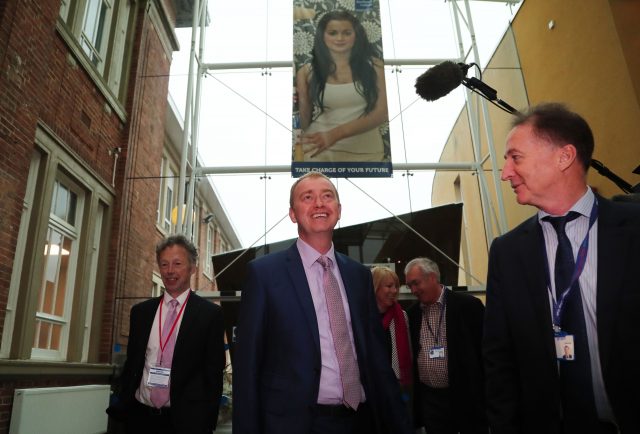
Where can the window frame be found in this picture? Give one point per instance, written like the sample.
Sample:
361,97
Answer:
71,232
51,160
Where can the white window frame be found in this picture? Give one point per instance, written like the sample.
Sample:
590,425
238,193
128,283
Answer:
208,266
96,31
52,162
14,285
157,287
72,232
95,254
170,198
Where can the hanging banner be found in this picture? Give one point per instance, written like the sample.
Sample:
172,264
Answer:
340,115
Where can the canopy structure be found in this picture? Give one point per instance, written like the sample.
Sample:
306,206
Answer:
492,204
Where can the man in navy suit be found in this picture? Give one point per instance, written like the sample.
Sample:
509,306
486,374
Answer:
287,372
194,376
566,276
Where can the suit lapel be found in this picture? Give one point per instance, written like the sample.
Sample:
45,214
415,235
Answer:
352,287
188,317
146,320
531,256
295,268
612,246
359,306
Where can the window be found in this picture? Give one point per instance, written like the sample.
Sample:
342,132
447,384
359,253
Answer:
93,37
59,264
97,31
157,287
60,260
168,196
209,252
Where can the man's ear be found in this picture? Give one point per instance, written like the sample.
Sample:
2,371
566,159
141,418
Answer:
292,215
567,156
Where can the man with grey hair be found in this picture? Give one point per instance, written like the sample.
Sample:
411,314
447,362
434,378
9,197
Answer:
171,381
446,334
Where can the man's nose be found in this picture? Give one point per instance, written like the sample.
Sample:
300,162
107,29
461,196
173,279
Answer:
507,172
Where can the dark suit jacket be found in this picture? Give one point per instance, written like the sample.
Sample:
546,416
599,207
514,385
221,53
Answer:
277,362
520,361
463,320
198,362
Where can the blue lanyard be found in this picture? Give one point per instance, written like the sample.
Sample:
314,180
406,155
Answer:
558,305
437,336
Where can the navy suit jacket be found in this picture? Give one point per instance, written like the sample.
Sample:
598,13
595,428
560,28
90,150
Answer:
197,366
277,362
463,320
520,362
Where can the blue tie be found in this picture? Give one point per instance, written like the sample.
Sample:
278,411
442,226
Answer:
575,376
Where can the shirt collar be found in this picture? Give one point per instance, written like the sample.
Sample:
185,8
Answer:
181,298
440,299
583,206
309,255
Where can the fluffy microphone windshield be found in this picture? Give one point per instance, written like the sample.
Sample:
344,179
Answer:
439,80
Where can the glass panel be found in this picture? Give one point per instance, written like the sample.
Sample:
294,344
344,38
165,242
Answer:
60,198
64,203
42,336
48,335
51,260
93,29
71,210
62,277
56,336
167,211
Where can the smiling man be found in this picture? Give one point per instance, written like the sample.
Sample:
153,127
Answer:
309,355
171,381
565,278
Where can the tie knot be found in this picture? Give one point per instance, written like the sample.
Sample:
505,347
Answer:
560,222
325,262
173,304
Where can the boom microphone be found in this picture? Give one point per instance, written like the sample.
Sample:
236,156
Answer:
441,79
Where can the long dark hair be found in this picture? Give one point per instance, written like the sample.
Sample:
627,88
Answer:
361,62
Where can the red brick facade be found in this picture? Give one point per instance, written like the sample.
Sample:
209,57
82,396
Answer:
43,85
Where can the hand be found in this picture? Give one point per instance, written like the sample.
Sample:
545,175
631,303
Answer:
317,142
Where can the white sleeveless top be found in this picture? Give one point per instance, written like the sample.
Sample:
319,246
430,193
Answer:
342,104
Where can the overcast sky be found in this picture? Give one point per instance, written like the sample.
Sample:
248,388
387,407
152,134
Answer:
245,115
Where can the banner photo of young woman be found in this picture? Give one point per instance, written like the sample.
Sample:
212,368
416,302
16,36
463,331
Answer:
340,115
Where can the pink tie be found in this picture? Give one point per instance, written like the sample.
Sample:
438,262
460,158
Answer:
349,372
160,395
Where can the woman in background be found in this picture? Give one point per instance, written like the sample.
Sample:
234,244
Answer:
396,325
341,94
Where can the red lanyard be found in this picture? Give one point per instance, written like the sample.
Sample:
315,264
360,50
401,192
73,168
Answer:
175,322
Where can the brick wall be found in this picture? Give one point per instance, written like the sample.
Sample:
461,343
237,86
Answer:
42,83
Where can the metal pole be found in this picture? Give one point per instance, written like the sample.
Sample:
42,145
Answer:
502,220
187,119
475,138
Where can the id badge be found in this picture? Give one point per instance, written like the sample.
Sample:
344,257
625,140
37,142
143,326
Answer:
436,353
564,346
158,377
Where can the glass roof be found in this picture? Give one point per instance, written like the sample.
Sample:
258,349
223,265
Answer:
245,114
